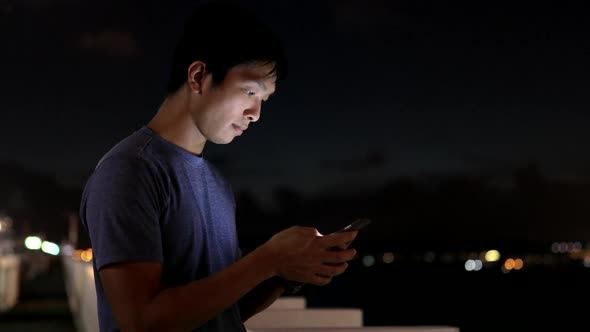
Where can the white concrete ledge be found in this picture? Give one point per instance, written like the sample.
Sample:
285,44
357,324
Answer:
306,318
9,281
362,329
79,278
288,302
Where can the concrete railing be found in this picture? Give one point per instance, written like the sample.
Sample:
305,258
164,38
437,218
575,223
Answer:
79,284
9,281
362,329
289,312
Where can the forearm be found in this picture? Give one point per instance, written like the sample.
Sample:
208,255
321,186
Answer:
187,307
261,297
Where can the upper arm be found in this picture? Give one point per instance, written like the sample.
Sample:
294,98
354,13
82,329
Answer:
129,288
121,209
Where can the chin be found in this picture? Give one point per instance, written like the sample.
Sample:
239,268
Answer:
220,140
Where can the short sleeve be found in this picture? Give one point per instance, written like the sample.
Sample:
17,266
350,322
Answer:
120,209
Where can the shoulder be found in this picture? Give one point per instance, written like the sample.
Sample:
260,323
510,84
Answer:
129,168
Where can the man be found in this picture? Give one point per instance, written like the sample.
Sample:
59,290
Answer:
161,218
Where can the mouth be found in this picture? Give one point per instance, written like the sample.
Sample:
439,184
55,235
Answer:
239,129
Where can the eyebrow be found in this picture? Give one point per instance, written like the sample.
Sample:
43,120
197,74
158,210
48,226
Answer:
261,84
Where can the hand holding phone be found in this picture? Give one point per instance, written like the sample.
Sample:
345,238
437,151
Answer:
292,287
357,225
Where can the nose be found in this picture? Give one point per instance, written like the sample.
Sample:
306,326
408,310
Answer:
253,112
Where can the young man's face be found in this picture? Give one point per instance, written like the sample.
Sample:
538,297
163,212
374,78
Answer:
228,108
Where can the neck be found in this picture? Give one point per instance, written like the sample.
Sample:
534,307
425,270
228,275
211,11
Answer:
174,123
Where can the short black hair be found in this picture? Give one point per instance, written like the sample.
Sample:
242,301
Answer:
223,35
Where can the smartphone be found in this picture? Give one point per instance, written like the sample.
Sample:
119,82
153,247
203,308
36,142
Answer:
356,225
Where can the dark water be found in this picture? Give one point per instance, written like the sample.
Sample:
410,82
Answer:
534,298
486,300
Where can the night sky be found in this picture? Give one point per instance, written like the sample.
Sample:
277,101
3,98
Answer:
376,89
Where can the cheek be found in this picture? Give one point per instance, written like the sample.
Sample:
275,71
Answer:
225,115
234,109
228,109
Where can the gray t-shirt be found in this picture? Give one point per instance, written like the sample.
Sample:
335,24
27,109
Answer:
149,200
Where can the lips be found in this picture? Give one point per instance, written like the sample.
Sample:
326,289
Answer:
239,129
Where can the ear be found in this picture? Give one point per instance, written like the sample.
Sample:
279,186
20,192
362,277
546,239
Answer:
196,76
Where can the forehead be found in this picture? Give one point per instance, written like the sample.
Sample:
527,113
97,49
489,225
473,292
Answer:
255,73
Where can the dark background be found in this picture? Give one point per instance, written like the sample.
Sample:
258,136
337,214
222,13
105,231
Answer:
456,126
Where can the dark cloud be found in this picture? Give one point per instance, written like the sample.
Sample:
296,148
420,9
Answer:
120,44
6,8
371,160
368,14
35,5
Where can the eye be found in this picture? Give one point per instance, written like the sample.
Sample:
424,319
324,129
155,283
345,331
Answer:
249,92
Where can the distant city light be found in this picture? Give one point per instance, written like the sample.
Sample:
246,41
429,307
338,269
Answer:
513,264
388,257
5,223
67,249
50,248
473,265
509,264
566,247
492,255
429,257
469,265
368,260
518,263
577,246
33,242
478,264
86,255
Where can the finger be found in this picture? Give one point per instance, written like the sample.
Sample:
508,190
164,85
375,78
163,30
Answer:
338,239
337,257
309,231
342,246
320,280
332,270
